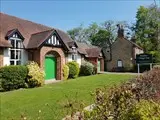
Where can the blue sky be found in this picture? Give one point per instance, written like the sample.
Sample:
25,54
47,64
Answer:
66,15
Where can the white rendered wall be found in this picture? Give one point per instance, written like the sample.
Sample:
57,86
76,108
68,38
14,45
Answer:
6,59
69,58
24,57
79,59
138,51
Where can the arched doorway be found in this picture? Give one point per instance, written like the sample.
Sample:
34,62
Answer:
51,63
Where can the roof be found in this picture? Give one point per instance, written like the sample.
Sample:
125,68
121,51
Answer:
27,28
133,43
93,52
34,35
88,50
38,38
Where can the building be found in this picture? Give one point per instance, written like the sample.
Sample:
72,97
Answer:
22,41
122,53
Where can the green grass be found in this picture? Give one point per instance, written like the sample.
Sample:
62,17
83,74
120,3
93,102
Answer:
50,99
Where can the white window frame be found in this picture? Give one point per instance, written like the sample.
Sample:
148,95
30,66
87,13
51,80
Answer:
119,63
17,50
53,40
74,57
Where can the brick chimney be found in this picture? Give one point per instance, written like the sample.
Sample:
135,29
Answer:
133,39
120,31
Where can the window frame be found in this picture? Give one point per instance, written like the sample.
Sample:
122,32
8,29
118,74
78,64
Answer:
16,48
119,63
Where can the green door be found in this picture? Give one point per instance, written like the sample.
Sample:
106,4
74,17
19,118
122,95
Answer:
99,66
50,67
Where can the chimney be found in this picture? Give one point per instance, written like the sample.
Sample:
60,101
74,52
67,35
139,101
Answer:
120,31
133,39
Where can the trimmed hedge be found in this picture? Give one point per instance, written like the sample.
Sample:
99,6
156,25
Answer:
87,68
65,72
35,75
73,69
13,77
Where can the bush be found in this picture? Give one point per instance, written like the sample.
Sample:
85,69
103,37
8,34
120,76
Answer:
149,84
112,104
86,68
144,110
73,69
35,75
13,77
65,72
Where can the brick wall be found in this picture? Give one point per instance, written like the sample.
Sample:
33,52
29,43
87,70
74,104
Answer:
123,50
60,57
1,57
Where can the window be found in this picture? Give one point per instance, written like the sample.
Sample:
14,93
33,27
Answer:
74,57
15,51
119,63
53,40
74,49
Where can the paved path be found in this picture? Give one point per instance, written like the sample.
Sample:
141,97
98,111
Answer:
121,73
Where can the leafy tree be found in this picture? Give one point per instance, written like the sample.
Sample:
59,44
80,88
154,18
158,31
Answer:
147,29
101,39
78,33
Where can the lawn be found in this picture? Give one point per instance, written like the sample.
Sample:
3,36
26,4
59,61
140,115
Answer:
48,101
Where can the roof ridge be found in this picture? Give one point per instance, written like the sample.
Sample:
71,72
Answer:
27,20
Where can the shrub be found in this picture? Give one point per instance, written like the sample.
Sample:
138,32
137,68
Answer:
13,77
65,72
35,75
149,84
86,68
73,69
144,110
112,104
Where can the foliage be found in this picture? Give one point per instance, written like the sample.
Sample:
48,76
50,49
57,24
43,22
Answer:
101,39
73,69
126,102
144,110
35,75
13,77
146,29
65,72
112,104
86,68
149,84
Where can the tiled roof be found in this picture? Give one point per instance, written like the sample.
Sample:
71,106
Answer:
38,38
88,50
34,35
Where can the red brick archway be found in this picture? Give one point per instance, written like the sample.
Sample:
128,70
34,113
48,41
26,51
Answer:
60,58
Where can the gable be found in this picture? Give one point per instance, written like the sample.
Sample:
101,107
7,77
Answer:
14,34
53,40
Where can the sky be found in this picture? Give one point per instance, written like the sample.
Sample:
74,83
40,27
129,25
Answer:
68,14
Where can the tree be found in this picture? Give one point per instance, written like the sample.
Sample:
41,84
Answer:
78,33
101,39
146,28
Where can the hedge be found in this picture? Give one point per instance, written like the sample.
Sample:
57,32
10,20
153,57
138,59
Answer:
13,77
